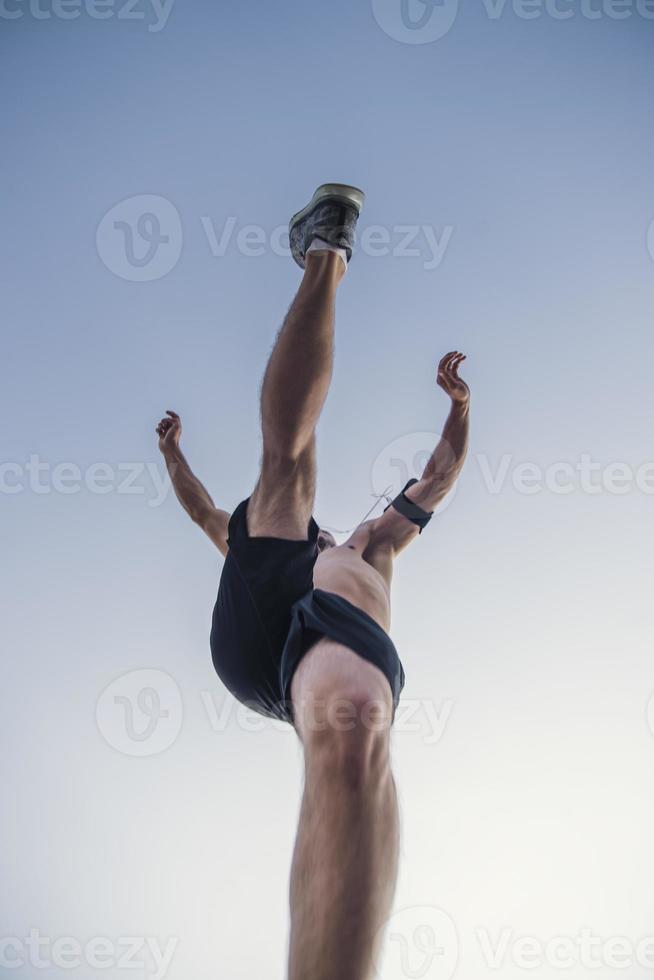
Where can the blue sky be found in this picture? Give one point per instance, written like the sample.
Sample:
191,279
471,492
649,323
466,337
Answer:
523,148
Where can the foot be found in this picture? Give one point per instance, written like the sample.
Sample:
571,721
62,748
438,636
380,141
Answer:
330,215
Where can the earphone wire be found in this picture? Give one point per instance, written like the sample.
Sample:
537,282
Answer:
379,496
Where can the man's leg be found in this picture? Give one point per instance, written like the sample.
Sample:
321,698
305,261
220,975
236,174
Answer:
346,854
294,390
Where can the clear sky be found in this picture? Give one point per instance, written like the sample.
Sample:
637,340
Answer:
509,149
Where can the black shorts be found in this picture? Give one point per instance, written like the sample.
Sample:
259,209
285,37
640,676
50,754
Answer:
268,614
320,613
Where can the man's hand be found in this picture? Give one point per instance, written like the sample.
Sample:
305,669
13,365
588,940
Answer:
169,431
193,497
449,380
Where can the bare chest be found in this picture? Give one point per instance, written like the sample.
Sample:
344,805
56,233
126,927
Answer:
361,575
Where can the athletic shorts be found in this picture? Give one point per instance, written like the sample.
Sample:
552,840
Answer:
268,615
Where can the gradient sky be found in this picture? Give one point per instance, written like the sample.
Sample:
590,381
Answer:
524,620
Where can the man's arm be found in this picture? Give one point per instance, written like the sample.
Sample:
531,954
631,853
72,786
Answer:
193,497
446,462
392,529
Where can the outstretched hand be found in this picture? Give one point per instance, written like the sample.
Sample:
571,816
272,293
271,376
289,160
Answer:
169,431
449,380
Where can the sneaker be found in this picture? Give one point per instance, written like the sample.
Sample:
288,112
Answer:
331,215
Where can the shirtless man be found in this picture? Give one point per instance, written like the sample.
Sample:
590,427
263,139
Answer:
300,626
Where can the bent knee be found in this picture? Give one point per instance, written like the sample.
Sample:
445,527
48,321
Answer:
364,709
289,455
353,753
345,726
289,466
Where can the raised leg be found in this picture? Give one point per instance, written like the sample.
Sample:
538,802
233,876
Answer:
346,854
294,390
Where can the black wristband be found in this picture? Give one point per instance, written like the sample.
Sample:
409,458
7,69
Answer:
409,509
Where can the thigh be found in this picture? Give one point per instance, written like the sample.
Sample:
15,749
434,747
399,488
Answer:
282,502
332,679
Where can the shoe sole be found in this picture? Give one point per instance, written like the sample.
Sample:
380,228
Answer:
343,193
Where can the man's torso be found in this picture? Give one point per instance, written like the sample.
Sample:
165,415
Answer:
360,570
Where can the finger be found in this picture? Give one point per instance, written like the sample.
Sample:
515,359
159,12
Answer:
450,362
444,359
172,414
454,367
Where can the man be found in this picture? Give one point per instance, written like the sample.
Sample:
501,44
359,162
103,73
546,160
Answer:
300,626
